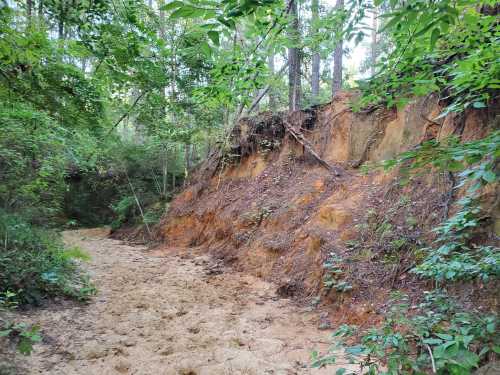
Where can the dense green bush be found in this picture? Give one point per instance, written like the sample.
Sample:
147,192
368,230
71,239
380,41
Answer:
34,264
440,338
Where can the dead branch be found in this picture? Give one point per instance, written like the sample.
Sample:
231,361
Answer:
299,137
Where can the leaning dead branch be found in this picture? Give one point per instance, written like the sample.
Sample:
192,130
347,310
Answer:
299,137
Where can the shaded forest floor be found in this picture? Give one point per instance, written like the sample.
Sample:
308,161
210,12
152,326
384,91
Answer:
171,312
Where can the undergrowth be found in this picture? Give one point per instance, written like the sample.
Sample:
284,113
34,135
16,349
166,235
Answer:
434,336
437,334
448,48
21,334
35,265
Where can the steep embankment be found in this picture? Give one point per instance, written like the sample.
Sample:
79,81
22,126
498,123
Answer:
270,208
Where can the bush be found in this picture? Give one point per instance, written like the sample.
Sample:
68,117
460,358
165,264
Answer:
34,264
439,337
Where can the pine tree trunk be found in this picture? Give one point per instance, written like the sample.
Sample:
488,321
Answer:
374,41
315,57
337,59
40,12
60,25
29,10
187,160
272,94
294,87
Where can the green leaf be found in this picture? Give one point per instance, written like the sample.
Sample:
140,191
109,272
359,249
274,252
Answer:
214,37
491,327
455,166
355,350
489,176
478,105
187,11
205,49
432,341
5,332
467,359
25,346
393,21
436,33
444,336
340,371
172,5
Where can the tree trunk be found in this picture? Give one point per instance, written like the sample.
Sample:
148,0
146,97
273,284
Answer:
272,94
294,87
187,159
60,25
337,58
315,57
374,41
165,173
29,10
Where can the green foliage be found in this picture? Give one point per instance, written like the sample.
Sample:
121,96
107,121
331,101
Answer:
23,335
31,161
334,274
440,335
20,333
34,265
441,46
123,209
455,255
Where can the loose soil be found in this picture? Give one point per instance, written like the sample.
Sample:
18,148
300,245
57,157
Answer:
172,312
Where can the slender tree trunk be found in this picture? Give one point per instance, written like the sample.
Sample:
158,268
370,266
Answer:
162,18
337,59
29,10
294,86
315,57
193,154
60,26
272,94
374,41
187,159
165,173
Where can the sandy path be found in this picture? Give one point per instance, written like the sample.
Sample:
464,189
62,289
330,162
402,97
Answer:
168,315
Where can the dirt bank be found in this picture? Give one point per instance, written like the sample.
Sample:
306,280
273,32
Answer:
166,313
287,201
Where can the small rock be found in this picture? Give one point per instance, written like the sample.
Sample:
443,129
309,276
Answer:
324,325
128,342
166,351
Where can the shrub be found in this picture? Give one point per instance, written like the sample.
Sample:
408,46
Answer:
34,264
440,337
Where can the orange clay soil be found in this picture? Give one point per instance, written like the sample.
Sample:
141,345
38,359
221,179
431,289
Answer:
270,209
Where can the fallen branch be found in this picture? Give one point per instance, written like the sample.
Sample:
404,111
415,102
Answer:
299,137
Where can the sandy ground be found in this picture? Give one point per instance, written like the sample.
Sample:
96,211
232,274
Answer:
171,314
